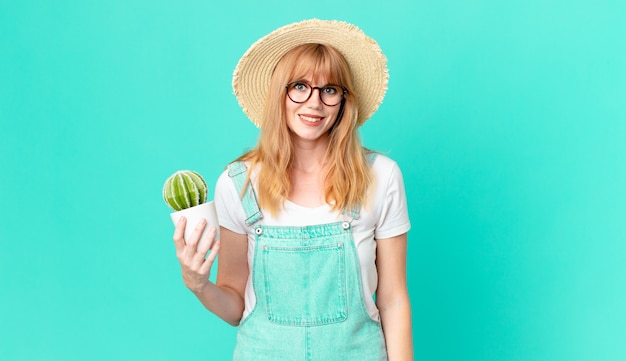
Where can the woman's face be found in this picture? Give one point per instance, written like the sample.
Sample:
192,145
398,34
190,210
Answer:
311,119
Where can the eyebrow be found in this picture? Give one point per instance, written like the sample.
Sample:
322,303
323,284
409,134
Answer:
311,85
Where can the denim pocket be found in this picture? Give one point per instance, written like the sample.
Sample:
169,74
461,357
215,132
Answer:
305,285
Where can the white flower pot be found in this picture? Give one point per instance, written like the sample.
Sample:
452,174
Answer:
195,214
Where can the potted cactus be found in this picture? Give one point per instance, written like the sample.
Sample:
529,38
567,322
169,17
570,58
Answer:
186,193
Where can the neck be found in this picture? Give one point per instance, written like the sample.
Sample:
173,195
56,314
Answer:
309,156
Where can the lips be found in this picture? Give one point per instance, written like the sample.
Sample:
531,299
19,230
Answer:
310,118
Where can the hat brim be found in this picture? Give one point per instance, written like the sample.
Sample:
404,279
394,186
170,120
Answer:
251,78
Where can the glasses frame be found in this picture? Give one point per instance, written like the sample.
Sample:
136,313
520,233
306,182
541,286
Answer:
343,94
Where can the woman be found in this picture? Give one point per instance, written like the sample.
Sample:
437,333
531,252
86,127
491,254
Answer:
313,226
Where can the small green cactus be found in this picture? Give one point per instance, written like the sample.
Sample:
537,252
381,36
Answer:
184,189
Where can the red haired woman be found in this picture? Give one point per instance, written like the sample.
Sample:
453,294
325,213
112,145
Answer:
313,225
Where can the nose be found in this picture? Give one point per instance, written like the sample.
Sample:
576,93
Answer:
315,100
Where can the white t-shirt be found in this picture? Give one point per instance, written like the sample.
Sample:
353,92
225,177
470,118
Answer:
384,216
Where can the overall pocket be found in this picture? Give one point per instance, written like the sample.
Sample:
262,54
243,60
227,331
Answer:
305,285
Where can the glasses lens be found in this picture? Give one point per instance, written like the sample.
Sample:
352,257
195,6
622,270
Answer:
331,95
299,92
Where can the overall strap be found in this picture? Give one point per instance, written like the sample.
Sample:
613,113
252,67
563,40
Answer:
354,212
238,172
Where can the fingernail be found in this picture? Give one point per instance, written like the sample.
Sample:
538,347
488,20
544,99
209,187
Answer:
181,219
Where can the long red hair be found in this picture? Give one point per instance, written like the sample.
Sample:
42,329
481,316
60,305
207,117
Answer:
348,174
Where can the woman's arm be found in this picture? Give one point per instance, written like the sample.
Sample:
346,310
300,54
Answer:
225,298
392,297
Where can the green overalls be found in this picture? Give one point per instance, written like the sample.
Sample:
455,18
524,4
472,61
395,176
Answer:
309,297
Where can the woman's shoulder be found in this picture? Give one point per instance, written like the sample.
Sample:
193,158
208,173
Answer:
384,164
387,174
235,169
224,182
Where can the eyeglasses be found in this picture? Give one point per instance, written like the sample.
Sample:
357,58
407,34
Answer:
330,94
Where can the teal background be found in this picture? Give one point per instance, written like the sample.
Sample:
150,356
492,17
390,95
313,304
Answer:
508,120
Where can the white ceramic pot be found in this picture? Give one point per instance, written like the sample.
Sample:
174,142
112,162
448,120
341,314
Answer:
195,214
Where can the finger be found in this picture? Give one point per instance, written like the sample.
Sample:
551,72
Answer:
179,233
203,247
196,234
206,266
206,241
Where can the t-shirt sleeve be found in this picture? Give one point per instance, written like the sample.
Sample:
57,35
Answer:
228,205
394,215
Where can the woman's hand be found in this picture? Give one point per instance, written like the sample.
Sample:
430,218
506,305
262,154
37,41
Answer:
225,297
192,254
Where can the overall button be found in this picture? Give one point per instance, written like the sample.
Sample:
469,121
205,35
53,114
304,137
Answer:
258,231
345,226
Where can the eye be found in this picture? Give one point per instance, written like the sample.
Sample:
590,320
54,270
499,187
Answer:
300,87
330,90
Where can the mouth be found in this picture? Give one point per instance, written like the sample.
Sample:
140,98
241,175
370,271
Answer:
310,118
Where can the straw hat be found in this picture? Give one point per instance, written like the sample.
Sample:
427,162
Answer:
368,64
